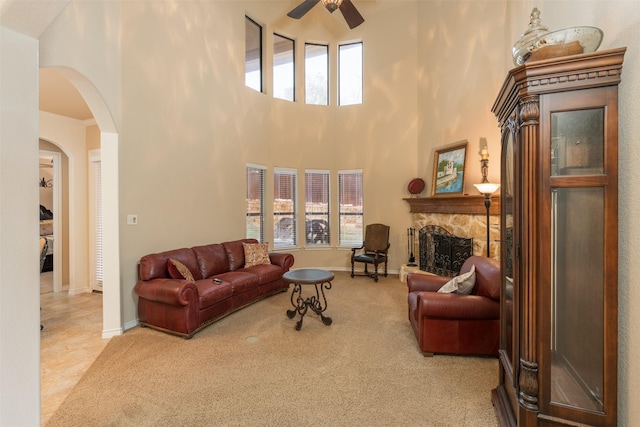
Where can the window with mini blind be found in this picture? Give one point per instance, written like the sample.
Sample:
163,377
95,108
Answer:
253,54
316,71
316,207
283,68
350,208
284,208
255,202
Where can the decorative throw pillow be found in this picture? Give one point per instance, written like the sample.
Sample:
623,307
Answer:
178,270
462,284
255,254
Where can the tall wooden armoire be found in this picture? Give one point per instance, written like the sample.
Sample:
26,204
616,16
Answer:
559,231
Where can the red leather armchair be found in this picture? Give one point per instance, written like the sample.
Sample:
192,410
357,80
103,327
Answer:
455,323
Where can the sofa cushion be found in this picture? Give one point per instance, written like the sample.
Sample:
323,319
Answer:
212,259
154,266
255,254
235,252
266,272
462,284
178,270
241,281
210,292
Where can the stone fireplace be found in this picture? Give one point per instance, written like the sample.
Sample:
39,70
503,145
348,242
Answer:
462,216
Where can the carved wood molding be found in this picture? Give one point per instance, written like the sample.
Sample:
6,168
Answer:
469,205
601,68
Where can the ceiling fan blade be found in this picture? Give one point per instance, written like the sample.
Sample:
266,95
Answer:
304,7
351,14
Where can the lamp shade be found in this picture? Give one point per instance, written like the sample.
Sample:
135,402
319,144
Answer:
487,187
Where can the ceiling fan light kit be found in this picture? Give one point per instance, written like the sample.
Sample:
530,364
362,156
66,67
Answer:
349,11
331,5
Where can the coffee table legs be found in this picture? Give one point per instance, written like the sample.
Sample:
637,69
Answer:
317,303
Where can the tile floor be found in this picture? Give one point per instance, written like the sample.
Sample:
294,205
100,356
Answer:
70,341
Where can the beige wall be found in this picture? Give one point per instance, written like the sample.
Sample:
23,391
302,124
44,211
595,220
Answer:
19,230
93,137
189,132
462,60
170,75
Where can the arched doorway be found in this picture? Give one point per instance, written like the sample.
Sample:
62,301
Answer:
108,136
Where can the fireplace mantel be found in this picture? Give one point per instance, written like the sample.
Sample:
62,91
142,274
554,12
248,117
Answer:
470,205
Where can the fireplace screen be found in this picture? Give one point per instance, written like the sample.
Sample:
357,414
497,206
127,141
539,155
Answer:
442,253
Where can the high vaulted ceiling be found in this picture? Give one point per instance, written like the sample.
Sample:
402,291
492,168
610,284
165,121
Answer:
32,18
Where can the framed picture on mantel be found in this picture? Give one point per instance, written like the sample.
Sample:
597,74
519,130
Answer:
449,170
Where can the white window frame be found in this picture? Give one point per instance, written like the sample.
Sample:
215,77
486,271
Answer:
351,236
285,236
317,234
262,171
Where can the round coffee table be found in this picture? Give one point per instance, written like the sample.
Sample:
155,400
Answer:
321,279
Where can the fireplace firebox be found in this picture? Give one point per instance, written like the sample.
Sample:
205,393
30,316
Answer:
441,252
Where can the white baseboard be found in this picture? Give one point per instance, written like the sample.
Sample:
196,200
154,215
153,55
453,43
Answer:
132,324
79,291
106,334
115,332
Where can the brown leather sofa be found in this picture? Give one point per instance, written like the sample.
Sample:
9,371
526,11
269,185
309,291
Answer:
455,323
221,285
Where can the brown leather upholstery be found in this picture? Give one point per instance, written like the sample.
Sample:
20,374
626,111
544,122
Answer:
455,323
182,307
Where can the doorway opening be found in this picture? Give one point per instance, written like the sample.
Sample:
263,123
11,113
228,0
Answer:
51,217
101,128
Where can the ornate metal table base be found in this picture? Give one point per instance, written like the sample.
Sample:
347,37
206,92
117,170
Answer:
321,279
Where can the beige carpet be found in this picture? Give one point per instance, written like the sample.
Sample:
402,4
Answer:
253,368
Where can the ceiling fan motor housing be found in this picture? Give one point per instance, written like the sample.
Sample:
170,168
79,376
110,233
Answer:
349,11
331,7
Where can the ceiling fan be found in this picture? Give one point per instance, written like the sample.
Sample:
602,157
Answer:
349,11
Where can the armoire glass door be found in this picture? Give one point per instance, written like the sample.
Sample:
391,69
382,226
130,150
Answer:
577,259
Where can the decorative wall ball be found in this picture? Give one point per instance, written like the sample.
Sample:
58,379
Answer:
416,186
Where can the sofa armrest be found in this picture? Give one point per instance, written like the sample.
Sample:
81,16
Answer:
284,260
425,282
168,291
457,307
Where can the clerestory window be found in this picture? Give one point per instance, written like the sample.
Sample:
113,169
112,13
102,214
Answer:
283,68
350,74
316,72
253,54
